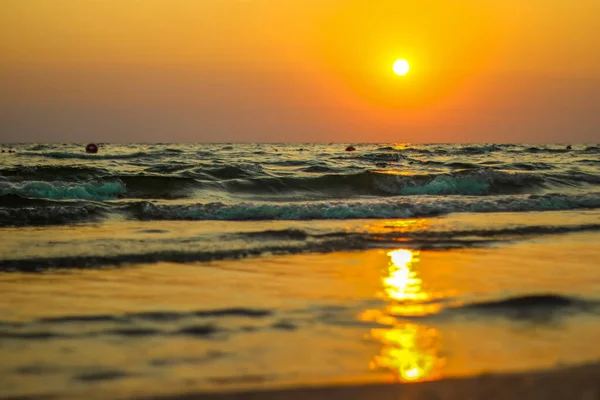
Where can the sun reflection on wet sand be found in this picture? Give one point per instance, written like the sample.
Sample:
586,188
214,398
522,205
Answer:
411,351
402,283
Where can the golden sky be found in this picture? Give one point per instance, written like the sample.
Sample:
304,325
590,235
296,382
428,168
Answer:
299,70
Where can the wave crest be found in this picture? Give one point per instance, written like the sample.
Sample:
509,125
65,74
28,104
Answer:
64,190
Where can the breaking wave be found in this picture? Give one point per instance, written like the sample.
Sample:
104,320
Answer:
64,190
393,208
400,207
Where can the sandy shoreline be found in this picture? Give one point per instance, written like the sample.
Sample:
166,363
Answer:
581,382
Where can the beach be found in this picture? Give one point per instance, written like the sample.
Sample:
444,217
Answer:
573,383
127,278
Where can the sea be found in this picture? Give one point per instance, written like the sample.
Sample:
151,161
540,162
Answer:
165,269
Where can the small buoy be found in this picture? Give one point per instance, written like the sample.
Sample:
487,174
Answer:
91,148
350,148
569,147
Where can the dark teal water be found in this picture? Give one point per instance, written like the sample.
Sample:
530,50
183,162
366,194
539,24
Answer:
61,184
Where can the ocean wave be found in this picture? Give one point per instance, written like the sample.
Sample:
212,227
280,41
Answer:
205,330
460,165
51,215
380,183
84,156
490,233
338,185
30,212
227,172
535,150
467,150
392,208
237,245
425,151
420,238
287,163
319,169
592,149
474,182
228,252
281,234
156,186
17,201
465,182
480,149
385,157
110,187
39,147
53,172
574,178
528,166
526,301
197,323
169,168
532,307
158,316
589,162
64,190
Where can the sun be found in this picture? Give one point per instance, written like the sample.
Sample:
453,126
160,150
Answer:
401,67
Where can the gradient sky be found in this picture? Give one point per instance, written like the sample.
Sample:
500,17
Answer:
299,70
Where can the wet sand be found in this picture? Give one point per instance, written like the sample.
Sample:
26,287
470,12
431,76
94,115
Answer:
581,383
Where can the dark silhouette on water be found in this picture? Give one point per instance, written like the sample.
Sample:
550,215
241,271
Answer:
350,148
91,148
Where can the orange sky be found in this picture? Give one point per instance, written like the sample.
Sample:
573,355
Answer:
299,70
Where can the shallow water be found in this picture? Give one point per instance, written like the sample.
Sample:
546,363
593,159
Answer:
152,269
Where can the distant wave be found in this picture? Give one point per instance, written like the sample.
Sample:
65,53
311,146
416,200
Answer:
84,156
535,150
312,180
52,172
45,184
319,169
592,149
323,210
527,166
169,168
156,186
233,171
